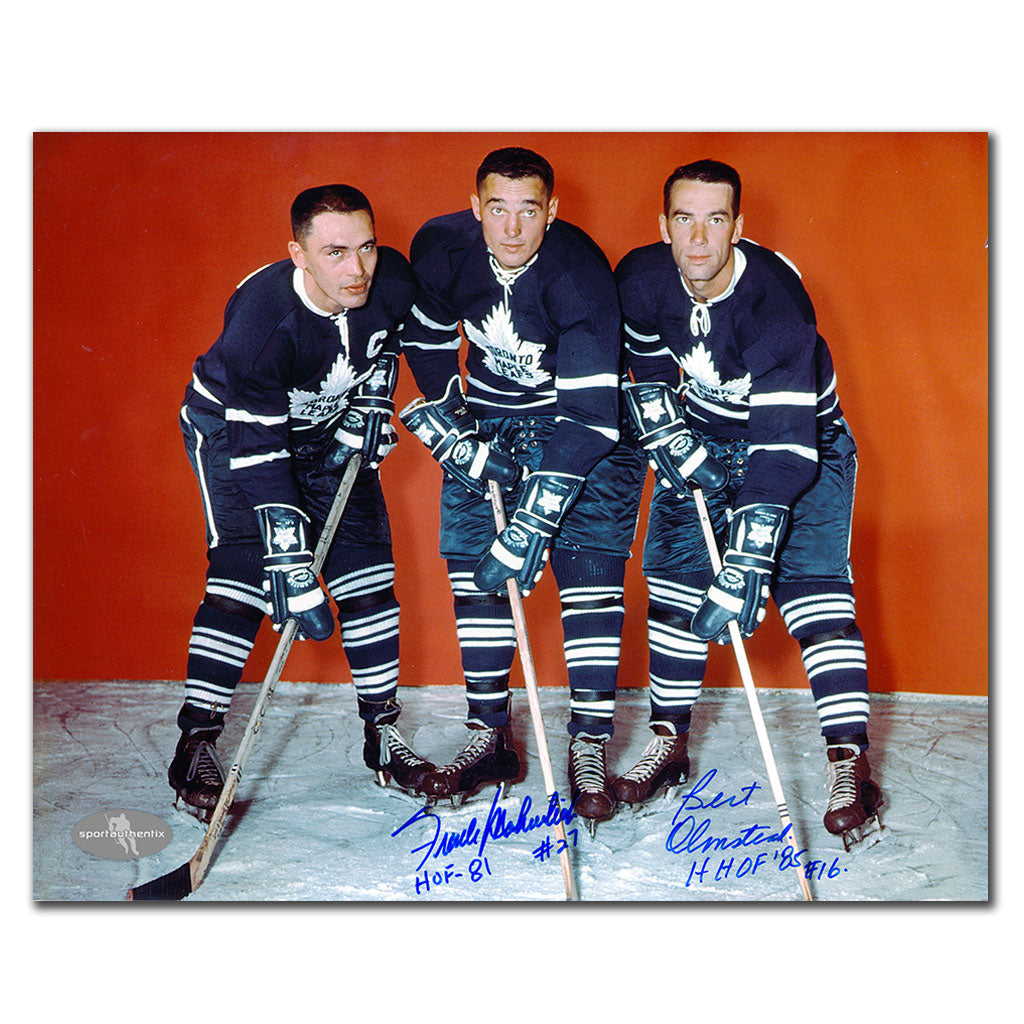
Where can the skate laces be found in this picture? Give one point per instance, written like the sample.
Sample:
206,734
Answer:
652,759
206,766
394,747
476,748
588,769
841,779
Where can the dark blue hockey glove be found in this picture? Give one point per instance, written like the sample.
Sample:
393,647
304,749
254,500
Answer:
365,425
449,430
521,549
291,588
741,589
678,459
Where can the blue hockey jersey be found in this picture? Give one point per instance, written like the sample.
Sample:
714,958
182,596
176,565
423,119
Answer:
544,340
751,360
281,371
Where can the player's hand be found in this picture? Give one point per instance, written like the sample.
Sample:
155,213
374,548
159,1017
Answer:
741,589
291,589
450,432
678,459
521,549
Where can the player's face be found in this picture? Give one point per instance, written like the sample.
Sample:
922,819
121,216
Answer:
701,230
514,214
338,258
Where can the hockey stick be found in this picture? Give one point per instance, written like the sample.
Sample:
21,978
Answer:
530,678
751,692
182,881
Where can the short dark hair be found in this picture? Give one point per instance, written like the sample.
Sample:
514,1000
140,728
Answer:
325,199
515,162
711,172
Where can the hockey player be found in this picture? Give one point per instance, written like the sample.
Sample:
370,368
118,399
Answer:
759,392
301,377
537,302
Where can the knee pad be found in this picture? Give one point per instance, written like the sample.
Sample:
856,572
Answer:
850,629
234,581
813,611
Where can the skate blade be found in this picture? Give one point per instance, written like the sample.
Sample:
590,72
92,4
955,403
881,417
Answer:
202,814
456,800
392,788
664,794
863,837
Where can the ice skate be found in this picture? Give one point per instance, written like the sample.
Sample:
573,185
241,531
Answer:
388,755
590,793
196,774
663,764
853,798
489,757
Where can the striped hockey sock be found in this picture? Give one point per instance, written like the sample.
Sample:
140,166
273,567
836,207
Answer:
590,586
487,643
677,658
368,614
821,617
218,649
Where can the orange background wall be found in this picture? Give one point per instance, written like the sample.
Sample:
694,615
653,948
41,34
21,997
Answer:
141,238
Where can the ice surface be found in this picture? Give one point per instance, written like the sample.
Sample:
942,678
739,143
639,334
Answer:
309,824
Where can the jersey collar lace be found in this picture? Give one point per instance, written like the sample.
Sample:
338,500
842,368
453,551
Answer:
700,312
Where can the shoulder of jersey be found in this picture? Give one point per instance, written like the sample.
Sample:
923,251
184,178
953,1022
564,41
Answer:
268,274
391,263
775,267
393,280
646,259
563,235
458,230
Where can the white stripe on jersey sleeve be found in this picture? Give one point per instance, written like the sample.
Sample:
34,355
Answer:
244,416
800,398
594,380
433,324
641,337
245,462
796,449
204,391
612,435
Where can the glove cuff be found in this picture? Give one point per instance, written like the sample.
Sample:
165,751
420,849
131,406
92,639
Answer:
755,533
546,501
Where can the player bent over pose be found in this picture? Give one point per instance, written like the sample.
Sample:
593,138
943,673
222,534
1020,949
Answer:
301,378
536,300
722,330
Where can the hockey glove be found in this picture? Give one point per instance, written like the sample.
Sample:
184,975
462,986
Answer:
676,456
449,430
291,588
521,549
740,591
365,425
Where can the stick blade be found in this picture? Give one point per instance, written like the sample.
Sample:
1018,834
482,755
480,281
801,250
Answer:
175,885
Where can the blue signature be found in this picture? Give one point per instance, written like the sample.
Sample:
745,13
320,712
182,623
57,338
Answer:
687,836
498,825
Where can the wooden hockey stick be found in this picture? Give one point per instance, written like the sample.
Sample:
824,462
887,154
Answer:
751,692
182,881
532,694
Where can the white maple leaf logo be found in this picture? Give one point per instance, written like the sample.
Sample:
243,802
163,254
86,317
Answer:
550,502
699,365
505,353
654,410
331,399
284,538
